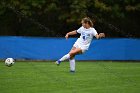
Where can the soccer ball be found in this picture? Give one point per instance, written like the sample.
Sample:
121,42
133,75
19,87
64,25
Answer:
9,62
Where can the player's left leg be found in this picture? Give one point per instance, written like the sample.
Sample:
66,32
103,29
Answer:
72,62
72,65
73,52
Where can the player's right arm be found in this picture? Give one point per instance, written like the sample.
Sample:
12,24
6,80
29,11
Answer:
70,33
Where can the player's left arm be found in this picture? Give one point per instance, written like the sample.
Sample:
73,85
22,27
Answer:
100,35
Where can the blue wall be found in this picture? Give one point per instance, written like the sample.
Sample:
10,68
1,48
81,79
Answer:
54,48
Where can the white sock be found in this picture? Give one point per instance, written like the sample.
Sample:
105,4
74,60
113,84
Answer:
72,64
65,57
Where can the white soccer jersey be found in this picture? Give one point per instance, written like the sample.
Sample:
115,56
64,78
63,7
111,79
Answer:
86,37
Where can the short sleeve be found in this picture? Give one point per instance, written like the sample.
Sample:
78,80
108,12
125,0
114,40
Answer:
94,32
79,30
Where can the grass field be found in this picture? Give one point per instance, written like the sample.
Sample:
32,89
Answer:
90,77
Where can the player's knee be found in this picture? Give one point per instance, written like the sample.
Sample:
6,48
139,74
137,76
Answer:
72,57
72,54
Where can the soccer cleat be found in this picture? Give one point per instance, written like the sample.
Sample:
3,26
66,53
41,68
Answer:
58,62
72,71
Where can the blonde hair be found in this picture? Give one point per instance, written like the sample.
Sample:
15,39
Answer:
88,20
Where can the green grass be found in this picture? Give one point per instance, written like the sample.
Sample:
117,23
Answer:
90,77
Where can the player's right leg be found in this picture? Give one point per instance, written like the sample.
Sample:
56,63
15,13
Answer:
71,54
65,57
74,52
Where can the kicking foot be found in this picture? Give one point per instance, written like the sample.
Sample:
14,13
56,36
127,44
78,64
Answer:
58,62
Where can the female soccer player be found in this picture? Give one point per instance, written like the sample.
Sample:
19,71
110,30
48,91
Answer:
83,42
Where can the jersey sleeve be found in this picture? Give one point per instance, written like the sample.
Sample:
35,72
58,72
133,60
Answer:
94,32
79,30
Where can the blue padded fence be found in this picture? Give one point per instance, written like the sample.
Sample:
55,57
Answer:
41,48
